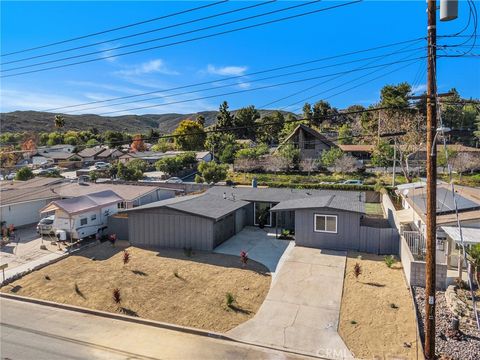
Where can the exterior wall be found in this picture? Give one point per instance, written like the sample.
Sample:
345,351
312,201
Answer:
224,229
306,153
158,195
390,212
346,238
169,228
118,225
414,270
22,213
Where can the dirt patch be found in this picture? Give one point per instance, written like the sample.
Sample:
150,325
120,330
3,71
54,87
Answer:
377,317
163,285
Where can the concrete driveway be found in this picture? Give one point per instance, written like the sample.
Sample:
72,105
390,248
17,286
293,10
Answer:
260,245
302,309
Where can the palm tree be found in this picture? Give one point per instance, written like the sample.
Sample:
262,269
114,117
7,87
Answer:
59,121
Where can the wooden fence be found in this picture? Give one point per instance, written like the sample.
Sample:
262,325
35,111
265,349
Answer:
380,241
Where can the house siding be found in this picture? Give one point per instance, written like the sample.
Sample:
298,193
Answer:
169,228
21,214
346,238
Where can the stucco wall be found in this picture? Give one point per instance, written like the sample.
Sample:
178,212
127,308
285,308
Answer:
22,213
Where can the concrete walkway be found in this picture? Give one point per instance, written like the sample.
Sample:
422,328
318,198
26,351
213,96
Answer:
302,309
260,245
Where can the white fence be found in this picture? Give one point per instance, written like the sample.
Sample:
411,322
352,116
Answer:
416,242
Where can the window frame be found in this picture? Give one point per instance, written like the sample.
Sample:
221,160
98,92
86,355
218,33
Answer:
325,216
93,217
81,221
255,213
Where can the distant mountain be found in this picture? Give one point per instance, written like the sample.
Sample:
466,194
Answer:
37,121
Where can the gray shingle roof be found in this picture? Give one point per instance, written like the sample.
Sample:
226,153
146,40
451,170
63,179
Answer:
206,205
328,201
276,195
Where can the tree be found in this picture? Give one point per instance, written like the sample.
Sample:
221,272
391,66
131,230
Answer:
59,121
253,153
138,145
245,120
309,165
174,164
211,172
382,154
131,172
442,156
29,146
345,164
321,110
463,162
270,134
92,143
163,145
290,124
329,157
200,119
291,154
190,135
225,119
54,138
113,138
345,135
24,174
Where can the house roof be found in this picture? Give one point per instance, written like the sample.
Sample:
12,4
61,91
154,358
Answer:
328,201
206,205
470,235
356,148
89,152
60,155
108,152
309,130
276,195
84,203
23,191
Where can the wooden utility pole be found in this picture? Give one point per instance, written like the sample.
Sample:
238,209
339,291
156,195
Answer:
431,182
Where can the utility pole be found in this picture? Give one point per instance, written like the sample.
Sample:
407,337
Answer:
431,181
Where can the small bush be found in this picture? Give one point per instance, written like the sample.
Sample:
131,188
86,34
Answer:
230,299
393,306
357,270
126,257
47,277
244,258
353,322
175,273
117,298
389,260
112,238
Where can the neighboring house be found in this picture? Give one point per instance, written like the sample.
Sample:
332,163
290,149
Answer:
82,216
56,148
109,154
309,141
22,200
320,218
151,157
91,154
361,152
59,156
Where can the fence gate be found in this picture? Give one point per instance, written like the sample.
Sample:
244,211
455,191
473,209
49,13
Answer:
380,241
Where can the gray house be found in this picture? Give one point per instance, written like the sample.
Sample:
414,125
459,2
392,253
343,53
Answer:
199,222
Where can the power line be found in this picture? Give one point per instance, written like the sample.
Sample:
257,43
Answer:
234,92
250,81
179,42
141,33
115,29
238,76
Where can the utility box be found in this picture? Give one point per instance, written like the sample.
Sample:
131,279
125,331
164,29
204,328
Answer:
448,10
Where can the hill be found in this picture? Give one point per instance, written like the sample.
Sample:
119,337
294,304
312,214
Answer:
37,121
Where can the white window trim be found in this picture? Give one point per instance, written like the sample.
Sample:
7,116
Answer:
255,213
325,231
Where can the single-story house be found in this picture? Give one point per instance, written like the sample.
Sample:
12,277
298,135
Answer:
309,141
82,216
320,218
91,154
56,157
55,148
361,152
109,154
152,157
21,202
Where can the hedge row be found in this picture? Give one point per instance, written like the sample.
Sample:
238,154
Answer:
317,186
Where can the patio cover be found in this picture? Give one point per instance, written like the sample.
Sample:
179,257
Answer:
470,235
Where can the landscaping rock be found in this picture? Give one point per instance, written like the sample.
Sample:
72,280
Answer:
450,344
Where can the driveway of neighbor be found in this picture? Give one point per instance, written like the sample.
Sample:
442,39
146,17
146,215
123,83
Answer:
302,309
260,245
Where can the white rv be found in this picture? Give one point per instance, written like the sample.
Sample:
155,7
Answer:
83,216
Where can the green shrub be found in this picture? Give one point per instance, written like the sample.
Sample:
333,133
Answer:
24,174
389,260
230,299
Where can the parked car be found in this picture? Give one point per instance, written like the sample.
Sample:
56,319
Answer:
45,226
174,180
100,165
10,176
352,182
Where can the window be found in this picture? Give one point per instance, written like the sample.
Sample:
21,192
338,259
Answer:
83,221
261,214
325,223
93,217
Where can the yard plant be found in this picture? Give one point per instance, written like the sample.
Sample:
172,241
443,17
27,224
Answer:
357,270
230,299
389,260
117,297
244,258
126,257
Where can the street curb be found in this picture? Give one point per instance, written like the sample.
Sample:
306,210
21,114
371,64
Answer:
147,322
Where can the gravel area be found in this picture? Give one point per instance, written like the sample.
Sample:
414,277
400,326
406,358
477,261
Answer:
466,348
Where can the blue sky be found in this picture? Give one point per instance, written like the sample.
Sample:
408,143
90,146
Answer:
355,27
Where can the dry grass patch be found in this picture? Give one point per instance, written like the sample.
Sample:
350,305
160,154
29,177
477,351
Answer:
163,285
377,318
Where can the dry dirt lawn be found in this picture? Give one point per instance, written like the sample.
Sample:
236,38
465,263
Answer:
163,285
370,325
